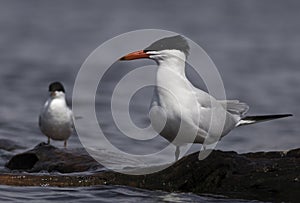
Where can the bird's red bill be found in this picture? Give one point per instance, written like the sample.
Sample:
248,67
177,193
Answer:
135,55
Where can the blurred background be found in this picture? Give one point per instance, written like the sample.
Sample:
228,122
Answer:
254,44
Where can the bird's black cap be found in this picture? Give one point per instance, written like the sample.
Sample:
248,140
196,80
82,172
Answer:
175,42
56,86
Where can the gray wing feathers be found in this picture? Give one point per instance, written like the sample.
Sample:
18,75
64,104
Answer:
235,107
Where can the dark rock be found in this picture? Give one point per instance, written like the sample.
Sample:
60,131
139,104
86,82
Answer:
22,161
266,176
45,157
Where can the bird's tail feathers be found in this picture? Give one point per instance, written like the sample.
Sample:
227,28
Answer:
248,120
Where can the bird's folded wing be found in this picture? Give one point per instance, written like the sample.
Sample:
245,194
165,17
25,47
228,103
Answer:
235,107
204,99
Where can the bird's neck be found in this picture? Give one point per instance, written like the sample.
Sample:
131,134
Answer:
57,103
171,72
175,64
171,80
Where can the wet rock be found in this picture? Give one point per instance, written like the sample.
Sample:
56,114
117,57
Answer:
266,176
48,158
24,161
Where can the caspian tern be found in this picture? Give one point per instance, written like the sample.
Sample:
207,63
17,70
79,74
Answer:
56,119
181,102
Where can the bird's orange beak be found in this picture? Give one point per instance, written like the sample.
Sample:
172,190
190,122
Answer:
135,55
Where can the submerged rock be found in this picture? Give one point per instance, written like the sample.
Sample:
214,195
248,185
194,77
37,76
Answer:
9,145
45,157
267,176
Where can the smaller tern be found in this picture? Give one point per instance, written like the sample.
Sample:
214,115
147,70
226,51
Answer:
179,102
56,118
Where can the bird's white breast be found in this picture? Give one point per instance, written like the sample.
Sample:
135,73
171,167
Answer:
176,98
56,119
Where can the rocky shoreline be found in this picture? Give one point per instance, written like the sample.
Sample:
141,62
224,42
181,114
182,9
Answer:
266,176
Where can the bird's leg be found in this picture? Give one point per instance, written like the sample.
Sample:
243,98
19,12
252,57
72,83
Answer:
65,144
48,141
177,152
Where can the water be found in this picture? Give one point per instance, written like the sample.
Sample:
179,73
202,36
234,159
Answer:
101,194
254,44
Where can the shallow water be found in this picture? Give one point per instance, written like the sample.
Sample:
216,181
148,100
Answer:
100,194
254,44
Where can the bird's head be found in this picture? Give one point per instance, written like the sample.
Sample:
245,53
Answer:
166,48
56,90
